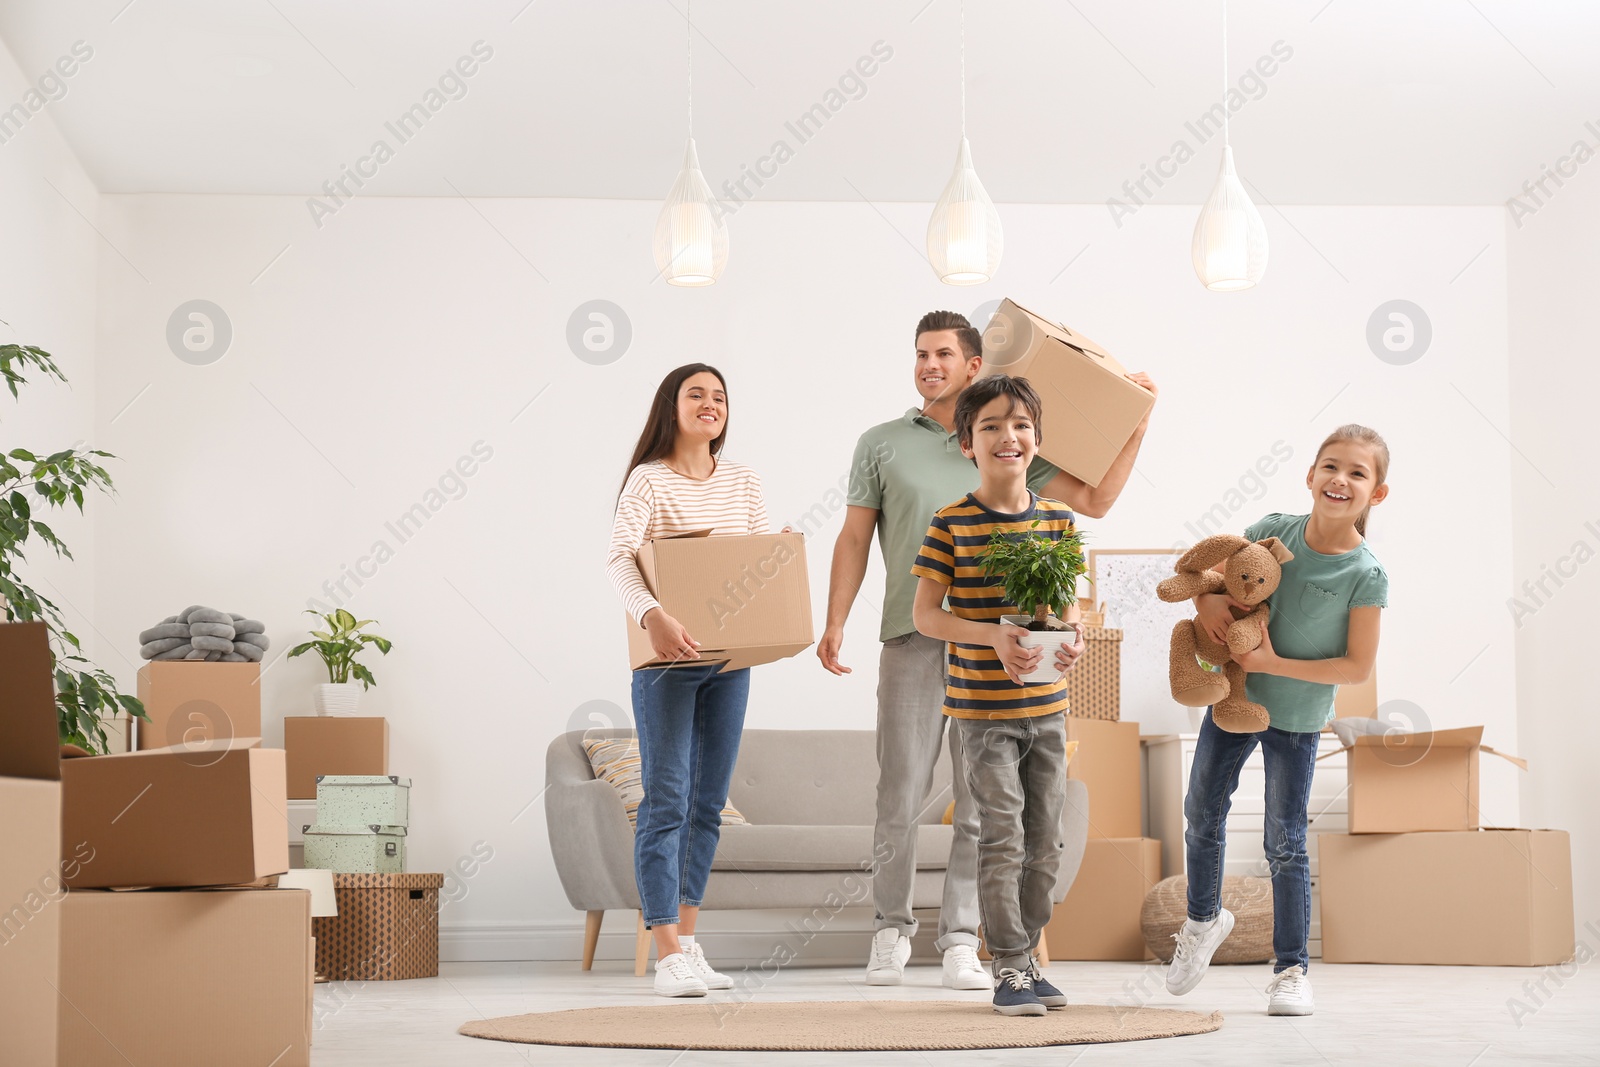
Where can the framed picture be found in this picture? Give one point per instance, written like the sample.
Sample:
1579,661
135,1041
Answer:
1124,584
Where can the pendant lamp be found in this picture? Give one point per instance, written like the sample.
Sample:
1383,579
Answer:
691,239
1230,240
964,236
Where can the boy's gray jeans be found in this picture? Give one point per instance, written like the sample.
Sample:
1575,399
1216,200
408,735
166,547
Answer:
1016,772
911,739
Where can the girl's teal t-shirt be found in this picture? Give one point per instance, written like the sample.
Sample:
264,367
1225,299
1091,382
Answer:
1310,619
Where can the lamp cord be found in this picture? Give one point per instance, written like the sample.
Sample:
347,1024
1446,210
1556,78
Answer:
963,7
688,47
1225,141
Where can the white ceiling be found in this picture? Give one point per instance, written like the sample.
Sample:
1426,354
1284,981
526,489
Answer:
1382,101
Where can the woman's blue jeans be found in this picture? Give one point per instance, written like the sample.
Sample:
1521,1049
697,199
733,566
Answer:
1290,759
689,719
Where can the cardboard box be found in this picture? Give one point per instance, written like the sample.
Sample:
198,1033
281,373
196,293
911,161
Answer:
1099,919
387,928
186,978
196,815
1107,762
1091,409
1403,783
1095,684
1496,898
30,847
190,702
747,600
332,744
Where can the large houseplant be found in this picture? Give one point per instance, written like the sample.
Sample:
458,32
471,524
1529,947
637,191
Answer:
1040,576
86,697
338,647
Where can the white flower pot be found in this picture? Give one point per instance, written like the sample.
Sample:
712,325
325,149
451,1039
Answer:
337,698
1049,640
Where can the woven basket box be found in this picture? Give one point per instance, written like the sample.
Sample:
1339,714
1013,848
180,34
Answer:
363,799
387,928
1095,684
371,849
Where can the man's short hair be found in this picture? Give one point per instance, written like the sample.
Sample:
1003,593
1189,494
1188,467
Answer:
971,340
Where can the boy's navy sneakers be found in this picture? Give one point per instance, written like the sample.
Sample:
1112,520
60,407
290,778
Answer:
1014,995
1048,995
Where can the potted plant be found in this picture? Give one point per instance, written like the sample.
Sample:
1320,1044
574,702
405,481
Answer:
1039,575
30,485
338,646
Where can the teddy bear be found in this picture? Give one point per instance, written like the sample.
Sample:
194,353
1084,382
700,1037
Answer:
1251,572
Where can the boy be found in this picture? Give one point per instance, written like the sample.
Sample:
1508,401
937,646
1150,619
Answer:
1013,734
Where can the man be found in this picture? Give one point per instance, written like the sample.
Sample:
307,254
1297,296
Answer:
904,471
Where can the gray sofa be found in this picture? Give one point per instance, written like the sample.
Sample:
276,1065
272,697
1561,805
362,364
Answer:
810,797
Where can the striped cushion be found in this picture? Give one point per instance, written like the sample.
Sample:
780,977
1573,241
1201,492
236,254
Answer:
616,760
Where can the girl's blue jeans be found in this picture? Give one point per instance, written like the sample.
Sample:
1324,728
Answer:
689,719
1290,759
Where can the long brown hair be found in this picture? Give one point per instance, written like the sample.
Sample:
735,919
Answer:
1352,431
661,427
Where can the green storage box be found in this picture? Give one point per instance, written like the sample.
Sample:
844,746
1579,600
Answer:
370,849
363,799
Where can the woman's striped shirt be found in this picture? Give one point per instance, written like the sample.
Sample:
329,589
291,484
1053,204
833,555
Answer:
976,685
657,501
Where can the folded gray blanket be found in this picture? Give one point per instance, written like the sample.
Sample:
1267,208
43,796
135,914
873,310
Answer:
205,634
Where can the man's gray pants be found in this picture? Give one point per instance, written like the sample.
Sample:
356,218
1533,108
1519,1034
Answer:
911,740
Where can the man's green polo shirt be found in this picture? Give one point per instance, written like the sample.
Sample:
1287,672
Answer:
908,469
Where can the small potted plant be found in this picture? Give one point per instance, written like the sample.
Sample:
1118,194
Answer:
1039,575
338,646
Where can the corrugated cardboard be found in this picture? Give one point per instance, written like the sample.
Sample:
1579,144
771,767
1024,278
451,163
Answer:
387,928
746,599
190,702
1107,763
29,746
186,979
1099,920
1402,783
332,744
1095,684
1091,409
204,814
1497,898
30,923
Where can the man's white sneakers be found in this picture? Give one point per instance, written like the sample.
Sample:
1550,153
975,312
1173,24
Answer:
675,977
1196,942
890,950
703,969
962,969
1289,992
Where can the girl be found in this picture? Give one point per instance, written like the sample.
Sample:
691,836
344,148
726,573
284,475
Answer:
1322,633
689,716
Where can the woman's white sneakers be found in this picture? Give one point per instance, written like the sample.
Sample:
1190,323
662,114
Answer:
1289,992
676,977
962,969
703,969
1196,943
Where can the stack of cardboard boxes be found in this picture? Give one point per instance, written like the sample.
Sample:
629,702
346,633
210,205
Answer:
153,976
1416,880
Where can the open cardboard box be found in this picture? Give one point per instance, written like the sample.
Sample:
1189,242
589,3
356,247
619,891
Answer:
206,814
746,599
1405,783
30,847
1091,408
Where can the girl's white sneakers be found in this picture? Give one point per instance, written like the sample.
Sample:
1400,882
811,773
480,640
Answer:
1197,942
675,977
1289,992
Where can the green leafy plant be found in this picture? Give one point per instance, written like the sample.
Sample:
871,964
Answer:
339,645
86,697
1039,575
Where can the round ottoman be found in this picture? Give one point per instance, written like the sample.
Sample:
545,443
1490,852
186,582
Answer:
1250,900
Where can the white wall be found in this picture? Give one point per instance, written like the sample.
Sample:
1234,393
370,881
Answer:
1554,520
376,351
48,210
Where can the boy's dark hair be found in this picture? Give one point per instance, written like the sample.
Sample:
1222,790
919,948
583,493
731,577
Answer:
980,392
971,340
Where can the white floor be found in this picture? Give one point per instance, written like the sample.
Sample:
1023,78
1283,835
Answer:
1455,1016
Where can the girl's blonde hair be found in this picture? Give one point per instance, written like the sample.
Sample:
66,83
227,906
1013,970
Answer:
1352,431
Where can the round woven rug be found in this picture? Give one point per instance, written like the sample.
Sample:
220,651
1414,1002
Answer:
844,1026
